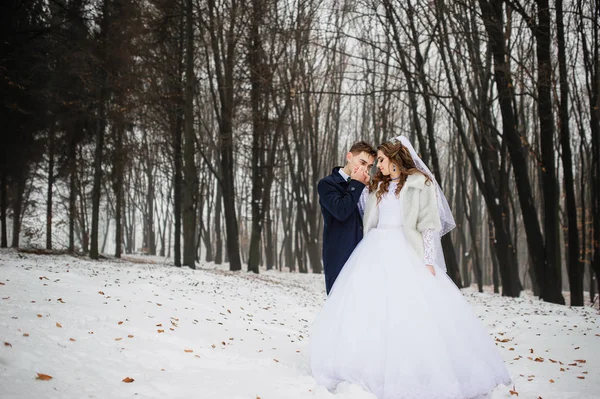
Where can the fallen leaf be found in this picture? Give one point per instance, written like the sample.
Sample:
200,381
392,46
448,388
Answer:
7,344
60,300
43,377
551,381
130,336
161,331
188,350
539,359
580,361
572,364
72,339
25,334
581,377
159,304
514,392
128,379
213,346
159,325
101,292
119,323
1,283
276,361
576,348
553,361
197,355
90,332
118,339
39,315
58,325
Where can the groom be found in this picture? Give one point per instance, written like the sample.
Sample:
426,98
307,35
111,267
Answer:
339,195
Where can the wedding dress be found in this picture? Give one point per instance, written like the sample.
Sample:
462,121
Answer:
396,330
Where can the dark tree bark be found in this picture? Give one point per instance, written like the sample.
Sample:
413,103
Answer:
574,261
3,208
50,186
492,15
190,175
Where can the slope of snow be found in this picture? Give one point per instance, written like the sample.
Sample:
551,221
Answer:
209,333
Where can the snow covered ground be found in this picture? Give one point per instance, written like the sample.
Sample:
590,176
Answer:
209,333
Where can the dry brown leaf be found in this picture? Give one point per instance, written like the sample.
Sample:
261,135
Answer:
58,325
161,331
25,334
159,304
561,369
1,283
576,348
7,344
72,339
213,346
553,361
188,350
128,379
90,332
197,355
60,300
514,392
39,315
581,377
551,381
276,361
159,325
511,349
572,364
580,361
119,323
538,359
130,336
502,340
43,377
101,292
118,339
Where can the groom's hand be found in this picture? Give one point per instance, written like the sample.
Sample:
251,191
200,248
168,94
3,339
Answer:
360,173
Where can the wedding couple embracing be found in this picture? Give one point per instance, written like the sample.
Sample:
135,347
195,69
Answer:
394,323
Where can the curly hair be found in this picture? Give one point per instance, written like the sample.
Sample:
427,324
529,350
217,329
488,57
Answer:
398,155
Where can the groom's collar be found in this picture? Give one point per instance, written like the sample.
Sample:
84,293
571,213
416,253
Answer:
337,176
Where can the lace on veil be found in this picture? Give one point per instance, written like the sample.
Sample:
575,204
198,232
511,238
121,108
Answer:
445,214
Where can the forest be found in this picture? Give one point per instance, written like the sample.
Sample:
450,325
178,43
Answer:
197,130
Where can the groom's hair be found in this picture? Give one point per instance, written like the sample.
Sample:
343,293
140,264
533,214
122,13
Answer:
362,146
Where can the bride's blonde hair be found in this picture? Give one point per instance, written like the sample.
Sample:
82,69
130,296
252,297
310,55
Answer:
398,155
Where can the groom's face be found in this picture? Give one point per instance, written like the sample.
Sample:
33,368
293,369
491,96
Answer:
360,159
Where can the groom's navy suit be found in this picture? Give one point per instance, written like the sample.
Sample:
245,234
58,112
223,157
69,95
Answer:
343,228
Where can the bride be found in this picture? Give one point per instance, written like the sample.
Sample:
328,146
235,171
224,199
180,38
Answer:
394,323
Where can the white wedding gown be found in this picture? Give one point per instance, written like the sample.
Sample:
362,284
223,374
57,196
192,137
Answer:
397,331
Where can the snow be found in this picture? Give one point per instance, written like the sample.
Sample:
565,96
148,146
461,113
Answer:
248,334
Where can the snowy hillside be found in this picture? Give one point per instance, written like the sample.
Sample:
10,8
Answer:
209,333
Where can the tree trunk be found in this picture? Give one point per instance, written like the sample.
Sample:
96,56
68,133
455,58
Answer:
50,186
189,188
574,261
19,188
3,207
548,171
72,160
118,190
492,15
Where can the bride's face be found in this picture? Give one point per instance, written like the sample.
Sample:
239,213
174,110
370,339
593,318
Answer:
383,163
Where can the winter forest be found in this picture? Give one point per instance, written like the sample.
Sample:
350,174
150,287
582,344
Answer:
197,130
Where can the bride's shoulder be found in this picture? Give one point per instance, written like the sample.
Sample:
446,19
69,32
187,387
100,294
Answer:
416,180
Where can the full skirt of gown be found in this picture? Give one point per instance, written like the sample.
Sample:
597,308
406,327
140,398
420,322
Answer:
397,331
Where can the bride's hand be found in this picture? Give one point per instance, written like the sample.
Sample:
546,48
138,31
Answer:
431,269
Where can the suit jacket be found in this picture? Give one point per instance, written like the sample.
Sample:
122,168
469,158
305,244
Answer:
343,228
419,208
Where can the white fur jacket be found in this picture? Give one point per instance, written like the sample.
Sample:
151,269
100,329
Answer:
420,213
